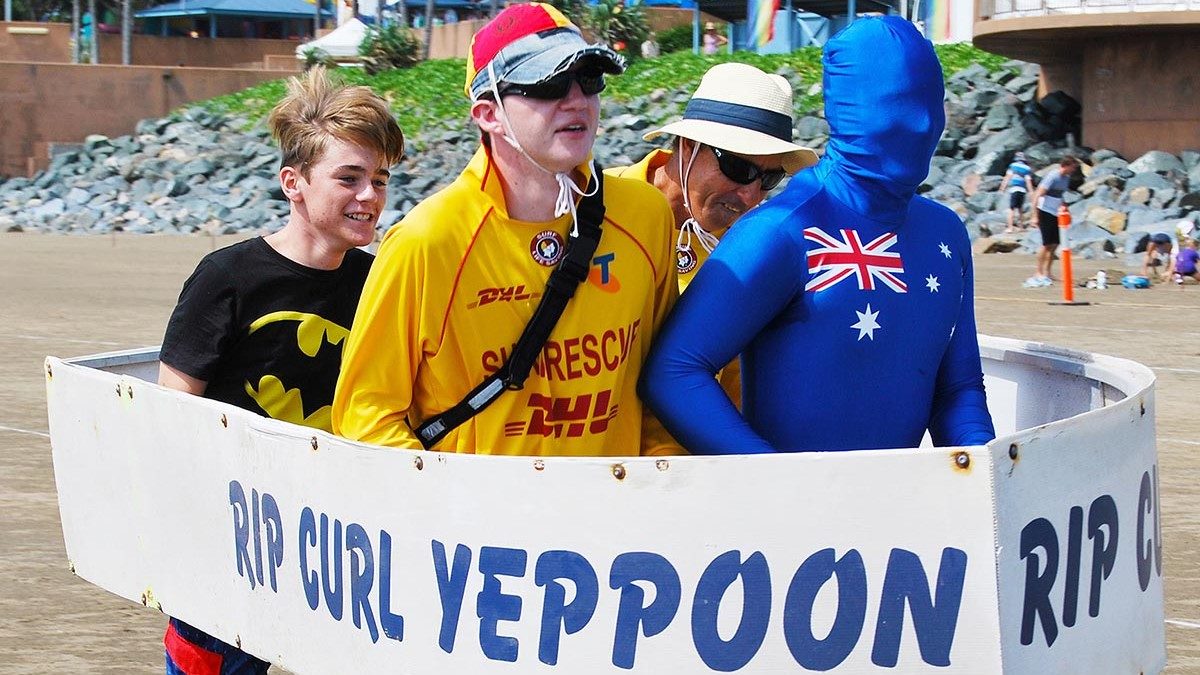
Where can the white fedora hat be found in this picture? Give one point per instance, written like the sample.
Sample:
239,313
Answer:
739,108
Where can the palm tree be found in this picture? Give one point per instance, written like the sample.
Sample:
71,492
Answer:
126,32
74,31
428,27
95,31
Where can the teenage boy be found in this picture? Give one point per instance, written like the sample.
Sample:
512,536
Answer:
732,147
260,323
458,280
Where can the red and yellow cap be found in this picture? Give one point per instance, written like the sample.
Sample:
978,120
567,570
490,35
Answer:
529,44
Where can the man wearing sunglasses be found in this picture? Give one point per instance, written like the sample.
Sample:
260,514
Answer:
732,147
457,281
849,297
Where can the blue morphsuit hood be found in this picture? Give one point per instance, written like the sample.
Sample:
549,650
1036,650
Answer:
882,135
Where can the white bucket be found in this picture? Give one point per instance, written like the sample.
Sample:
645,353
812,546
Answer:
1037,553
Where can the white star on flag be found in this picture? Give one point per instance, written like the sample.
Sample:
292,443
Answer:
944,249
932,282
866,323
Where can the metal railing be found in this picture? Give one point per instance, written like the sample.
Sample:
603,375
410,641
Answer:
1007,9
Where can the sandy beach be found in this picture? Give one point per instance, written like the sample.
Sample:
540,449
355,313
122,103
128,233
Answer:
70,296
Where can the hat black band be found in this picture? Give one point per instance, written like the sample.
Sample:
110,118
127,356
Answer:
745,116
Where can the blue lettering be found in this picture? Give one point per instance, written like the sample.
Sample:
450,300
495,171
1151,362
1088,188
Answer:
254,522
552,566
934,621
729,655
274,523
492,606
814,572
1039,533
451,587
241,531
362,577
308,539
603,261
392,624
332,585
1074,545
1102,514
632,614
1145,544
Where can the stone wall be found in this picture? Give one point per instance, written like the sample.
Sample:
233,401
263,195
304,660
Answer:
61,103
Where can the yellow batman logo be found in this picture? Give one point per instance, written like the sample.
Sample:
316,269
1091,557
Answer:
285,404
271,395
312,331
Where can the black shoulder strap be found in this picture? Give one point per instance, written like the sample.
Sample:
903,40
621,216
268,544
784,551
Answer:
571,271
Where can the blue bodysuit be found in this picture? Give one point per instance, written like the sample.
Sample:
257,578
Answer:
849,298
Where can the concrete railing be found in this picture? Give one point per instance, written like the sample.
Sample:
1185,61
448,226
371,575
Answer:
1007,9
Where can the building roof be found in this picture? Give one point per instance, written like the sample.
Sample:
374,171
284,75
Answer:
267,9
736,10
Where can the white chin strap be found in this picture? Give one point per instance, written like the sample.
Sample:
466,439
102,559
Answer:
691,226
567,189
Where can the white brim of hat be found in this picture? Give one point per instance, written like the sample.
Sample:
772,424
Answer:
740,140
549,63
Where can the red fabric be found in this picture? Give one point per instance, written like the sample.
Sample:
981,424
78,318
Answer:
191,659
511,25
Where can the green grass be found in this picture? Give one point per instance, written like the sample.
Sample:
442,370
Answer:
430,94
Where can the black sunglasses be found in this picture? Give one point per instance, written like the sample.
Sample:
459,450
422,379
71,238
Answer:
745,172
591,82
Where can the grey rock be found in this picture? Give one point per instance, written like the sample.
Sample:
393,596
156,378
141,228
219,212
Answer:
1000,116
1153,219
52,208
1021,83
77,196
982,201
1158,162
1149,180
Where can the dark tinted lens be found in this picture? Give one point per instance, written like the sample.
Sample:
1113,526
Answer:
735,168
771,179
745,172
591,82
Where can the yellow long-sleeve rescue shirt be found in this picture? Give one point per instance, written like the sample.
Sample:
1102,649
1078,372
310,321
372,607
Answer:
452,288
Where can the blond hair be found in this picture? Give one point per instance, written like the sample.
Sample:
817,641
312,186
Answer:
317,109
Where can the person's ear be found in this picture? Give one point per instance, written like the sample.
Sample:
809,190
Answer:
485,113
289,180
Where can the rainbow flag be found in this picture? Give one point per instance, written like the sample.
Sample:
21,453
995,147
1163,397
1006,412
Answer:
938,27
762,20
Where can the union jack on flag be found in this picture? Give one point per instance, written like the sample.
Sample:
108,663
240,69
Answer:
833,260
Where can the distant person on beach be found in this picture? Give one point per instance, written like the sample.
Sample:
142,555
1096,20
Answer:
732,147
712,41
1018,183
1185,262
429,361
650,48
1046,201
1160,254
849,297
260,324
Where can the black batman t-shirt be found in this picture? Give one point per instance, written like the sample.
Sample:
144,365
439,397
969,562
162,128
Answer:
266,333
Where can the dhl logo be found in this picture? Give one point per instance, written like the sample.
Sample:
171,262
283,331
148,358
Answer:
487,296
